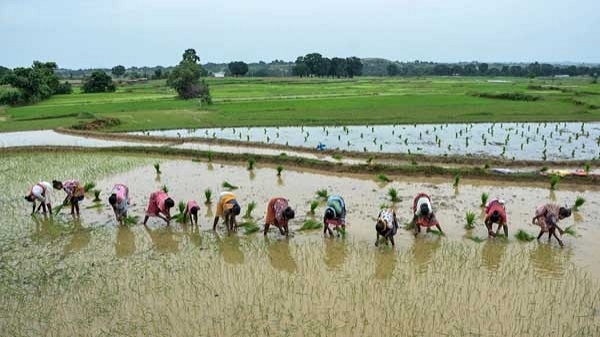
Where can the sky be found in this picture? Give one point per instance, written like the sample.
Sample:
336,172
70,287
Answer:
104,33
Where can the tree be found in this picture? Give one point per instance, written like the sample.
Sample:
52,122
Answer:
313,61
483,68
354,66
99,81
118,71
337,67
300,68
185,78
238,68
158,74
35,83
392,69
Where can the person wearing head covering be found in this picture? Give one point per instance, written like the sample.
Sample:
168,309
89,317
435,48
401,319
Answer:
335,214
41,192
228,208
387,225
159,206
547,217
279,213
423,213
119,201
75,193
495,212
192,210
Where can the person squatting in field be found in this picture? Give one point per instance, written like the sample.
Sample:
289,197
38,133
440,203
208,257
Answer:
387,226
279,213
159,206
41,192
75,193
119,201
191,210
228,208
335,214
495,212
423,214
547,217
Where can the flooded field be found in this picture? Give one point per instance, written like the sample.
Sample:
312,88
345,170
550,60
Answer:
61,276
519,141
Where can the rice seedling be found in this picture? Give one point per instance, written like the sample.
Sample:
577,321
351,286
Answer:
393,194
89,186
554,180
470,218
336,156
181,206
229,186
570,231
522,235
456,180
476,238
251,163
131,220
209,155
383,178
165,188
279,169
250,227
157,168
370,160
544,169
207,196
579,201
322,193
484,199
436,232
341,230
249,208
97,195
311,224
313,206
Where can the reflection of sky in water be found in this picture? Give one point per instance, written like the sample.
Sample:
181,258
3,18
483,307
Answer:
563,141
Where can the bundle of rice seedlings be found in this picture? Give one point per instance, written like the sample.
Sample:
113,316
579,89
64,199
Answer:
313,206
456,180
249,227
554,180
522,235
383,178
157,168
165,189
89,186
476,238
393,194
311,224
97,195
579,201
279,169
484,199
131,220
322,193
251,206
470,218
208,196
570,231
251,163
229,186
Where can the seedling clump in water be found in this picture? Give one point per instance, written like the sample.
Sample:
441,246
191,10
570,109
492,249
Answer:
208,196
470,218
484,199
578,203
229,186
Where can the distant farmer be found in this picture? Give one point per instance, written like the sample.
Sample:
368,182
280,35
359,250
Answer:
335,214
423,214
495,212
159,206
387,225
75,193
119,201
191,210
547,217
228,208
41,192
279,213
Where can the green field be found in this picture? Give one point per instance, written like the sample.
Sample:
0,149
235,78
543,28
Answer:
294,101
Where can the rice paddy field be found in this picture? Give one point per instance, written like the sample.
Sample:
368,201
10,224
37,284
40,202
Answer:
61,276
292,101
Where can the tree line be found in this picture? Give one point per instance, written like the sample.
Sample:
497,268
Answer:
315,65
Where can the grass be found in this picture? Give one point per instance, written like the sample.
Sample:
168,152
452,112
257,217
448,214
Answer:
208,196
383,178
522,235
484,199
311,224
263,102
393,194
229,186
279,170
89,186
470,219
322,193
554,180
249,208
579,201
313,206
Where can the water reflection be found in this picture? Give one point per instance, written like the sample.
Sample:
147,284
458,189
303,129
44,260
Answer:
163,239
492,253
193,234
385,263
424,248
46,229
280,256
125,243
577,217
229,247
80,237
336,252
549,259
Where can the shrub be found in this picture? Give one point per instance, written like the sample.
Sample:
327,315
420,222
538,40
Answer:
11,96
63,88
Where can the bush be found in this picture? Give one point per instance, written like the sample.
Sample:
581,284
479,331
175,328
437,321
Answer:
63,88
99,81
11,96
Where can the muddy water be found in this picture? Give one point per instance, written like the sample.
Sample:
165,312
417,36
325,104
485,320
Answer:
521,141
91,277
53,138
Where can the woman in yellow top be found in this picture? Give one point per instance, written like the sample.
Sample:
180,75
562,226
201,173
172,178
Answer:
228,208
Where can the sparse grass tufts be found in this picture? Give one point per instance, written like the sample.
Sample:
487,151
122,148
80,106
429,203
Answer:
393,194
322,193
522,235
470,218
554,180
383,178
251,206
157,168
484,198
310,224
229,186
207,196
579,201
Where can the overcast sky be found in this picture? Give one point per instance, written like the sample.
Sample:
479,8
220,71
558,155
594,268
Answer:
103,33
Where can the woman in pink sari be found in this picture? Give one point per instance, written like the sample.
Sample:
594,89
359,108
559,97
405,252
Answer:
119,201
159,206
191,209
